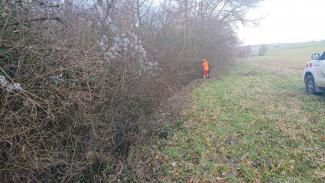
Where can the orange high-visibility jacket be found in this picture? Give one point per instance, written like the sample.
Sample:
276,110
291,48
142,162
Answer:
205,65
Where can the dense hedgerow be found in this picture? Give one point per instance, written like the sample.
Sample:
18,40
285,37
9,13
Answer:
81,81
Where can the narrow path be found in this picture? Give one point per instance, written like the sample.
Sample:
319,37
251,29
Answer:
251,126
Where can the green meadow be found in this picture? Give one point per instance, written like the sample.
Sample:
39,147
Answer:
255,124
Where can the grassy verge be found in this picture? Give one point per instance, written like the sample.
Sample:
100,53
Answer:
251,126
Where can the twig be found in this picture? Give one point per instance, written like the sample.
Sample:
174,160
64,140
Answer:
42,19
119,173
3,29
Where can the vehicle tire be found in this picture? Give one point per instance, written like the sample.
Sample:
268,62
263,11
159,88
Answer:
310,85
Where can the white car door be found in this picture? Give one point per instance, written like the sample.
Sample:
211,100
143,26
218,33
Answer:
320,69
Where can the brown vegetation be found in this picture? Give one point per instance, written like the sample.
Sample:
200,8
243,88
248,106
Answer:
92,76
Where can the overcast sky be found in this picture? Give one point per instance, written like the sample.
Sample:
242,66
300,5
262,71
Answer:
286,21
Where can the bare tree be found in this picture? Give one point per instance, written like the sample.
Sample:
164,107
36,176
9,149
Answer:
262,50
68,6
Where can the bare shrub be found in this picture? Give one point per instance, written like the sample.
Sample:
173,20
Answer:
262,50
243,51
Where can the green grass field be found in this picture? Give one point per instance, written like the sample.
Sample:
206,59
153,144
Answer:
254,125
293,56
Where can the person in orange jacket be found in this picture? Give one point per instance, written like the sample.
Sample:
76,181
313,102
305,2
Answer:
205,68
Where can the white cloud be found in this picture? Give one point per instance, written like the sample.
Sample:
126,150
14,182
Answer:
285,21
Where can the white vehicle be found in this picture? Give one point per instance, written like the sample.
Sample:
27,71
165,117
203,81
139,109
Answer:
314,74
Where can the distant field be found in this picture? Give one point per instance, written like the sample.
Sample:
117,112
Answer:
288,56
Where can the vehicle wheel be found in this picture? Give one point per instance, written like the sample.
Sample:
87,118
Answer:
310,85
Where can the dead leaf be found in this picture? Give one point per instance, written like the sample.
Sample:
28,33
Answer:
322,139
219,180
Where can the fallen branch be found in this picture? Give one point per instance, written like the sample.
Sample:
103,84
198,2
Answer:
42,19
